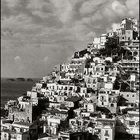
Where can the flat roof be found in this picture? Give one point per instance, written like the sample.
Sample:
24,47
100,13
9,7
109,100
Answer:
23,123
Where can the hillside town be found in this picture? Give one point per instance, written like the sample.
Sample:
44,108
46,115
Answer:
94,96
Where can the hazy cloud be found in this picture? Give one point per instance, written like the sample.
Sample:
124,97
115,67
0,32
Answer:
36,30
91,6
64,10
45,59
17,59
133,8
12,3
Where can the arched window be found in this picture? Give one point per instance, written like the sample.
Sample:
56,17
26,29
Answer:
106,133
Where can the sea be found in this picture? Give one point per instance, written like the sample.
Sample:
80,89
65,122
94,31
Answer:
11,90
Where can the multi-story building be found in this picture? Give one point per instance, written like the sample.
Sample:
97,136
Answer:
16,131
130,65
128,29
134,48
12,135
25,115
52,125
91,81
105,128
107,99
103,40
129,96
96,43
132,123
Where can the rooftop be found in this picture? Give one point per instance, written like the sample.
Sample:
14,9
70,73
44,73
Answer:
23,123
106,119
57,111
73,99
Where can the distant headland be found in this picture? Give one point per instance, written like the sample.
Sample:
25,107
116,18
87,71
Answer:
19,79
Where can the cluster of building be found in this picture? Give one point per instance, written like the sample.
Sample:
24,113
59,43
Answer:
79,99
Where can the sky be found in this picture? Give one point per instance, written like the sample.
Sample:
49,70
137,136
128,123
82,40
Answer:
36,35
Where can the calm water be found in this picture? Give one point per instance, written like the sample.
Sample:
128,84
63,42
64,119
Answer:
13,89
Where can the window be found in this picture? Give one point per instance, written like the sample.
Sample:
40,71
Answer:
72,122
97,69
131,123
85,106
102,103
102,97
133,95
89,81
79,123
5,135
112,105
106,138
127,95
106,133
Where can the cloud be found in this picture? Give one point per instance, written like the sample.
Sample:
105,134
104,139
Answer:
17,58
54,29
119,8
133,8
91,6
19,64
40,8
37,4
12,3
90,35
20,21
45,59
110,8
64,10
